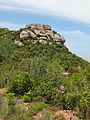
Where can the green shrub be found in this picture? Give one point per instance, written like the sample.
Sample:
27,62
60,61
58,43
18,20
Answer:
11,103
21,83
28,96
36,107
6,49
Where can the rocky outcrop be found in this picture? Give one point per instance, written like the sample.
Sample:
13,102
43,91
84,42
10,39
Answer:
41,33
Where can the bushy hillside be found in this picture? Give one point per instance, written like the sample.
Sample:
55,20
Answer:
36,65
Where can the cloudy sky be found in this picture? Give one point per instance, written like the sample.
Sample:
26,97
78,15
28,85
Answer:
71,18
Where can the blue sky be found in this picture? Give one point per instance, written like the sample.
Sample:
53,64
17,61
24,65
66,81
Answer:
67,17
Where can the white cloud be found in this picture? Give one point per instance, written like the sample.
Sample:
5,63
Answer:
11,26
72,9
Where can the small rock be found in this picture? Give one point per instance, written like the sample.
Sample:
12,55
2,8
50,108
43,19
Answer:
59,43
20,44
43,38
57,36
50,43
16,42
66,74
56,39
34,41
43,42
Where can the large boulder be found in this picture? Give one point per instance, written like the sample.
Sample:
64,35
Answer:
32,34
62,40
37,32
18,43
50,34
24,34
58,36
59,39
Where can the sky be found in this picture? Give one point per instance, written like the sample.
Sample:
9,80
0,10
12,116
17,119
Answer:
71,18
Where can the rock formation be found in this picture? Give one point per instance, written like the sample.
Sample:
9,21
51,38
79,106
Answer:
41,33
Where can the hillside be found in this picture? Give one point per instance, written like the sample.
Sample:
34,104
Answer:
36,65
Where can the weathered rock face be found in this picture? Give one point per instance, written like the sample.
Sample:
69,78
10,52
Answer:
41,33
24,34
38,27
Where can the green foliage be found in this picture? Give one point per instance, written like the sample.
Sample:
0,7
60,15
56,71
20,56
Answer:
11,102
6,49
28,96
36,107
21,83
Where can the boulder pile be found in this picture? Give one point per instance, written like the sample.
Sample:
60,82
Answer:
41,33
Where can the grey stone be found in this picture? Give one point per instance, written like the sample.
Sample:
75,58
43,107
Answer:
47,27
56,39
59,43
50,34
38,26
24,34
43,42
37,32
43,38
34,41
32,34
62,40
20,44
16,42
57,36
42,35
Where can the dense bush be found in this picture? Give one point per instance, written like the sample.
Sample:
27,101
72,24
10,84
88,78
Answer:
36,107
21,83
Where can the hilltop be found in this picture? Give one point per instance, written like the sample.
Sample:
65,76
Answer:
36,65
